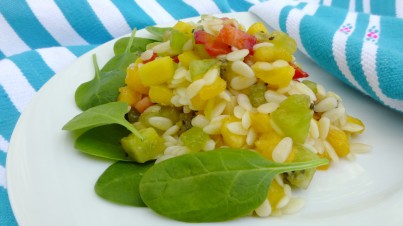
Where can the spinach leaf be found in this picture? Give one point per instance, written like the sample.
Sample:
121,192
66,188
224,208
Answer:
138,45
120,183
158,32
120,62
212,186
110,113
103,88
104,142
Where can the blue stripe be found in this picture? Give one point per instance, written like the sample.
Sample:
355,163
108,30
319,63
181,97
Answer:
89,27
26,25
317,35
390,72
223,6
7,217
33,67
3,158
2,56
80,50
284,14
390,57
134,15
354,46
386,8
391,33
283,17
239,5
341,3
358,5
9,115
178,9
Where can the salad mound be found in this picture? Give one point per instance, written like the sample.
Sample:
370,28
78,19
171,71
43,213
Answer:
208,113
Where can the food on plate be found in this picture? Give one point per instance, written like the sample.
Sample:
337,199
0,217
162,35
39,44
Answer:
210,121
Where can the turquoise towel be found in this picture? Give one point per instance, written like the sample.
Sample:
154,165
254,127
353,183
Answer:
359,42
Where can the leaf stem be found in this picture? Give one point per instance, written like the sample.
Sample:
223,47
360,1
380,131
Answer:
287,167
129,45
96,67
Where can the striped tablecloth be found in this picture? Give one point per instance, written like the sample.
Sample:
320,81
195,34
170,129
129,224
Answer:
358,41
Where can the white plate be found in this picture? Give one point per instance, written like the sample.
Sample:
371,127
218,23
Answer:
50,183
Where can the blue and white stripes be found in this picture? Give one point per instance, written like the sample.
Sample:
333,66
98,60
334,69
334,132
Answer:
363,50
30,24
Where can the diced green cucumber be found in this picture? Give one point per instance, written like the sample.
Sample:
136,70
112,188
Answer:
293,117
256,94
195,139
144,150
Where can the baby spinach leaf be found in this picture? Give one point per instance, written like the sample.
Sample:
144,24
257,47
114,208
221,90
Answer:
211,186
120,183
120,62
158,32
103,88
106,114
104,142
138,45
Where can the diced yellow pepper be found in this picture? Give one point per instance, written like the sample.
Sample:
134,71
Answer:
266,143
134,82
186,57
128,96
324,155
183,27
291,155
161,95
157,71
197,102
260,122
356,121
212,90
276,193
271,53
339,141
229,138
208,108
257,27
278,74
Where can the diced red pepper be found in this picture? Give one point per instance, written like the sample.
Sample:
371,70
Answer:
213,46
299,73
175,59
237,38
151,59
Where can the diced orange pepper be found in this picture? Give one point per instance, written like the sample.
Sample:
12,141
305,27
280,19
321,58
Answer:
143,104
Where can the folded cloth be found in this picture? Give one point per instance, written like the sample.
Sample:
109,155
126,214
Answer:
357,41
39,38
